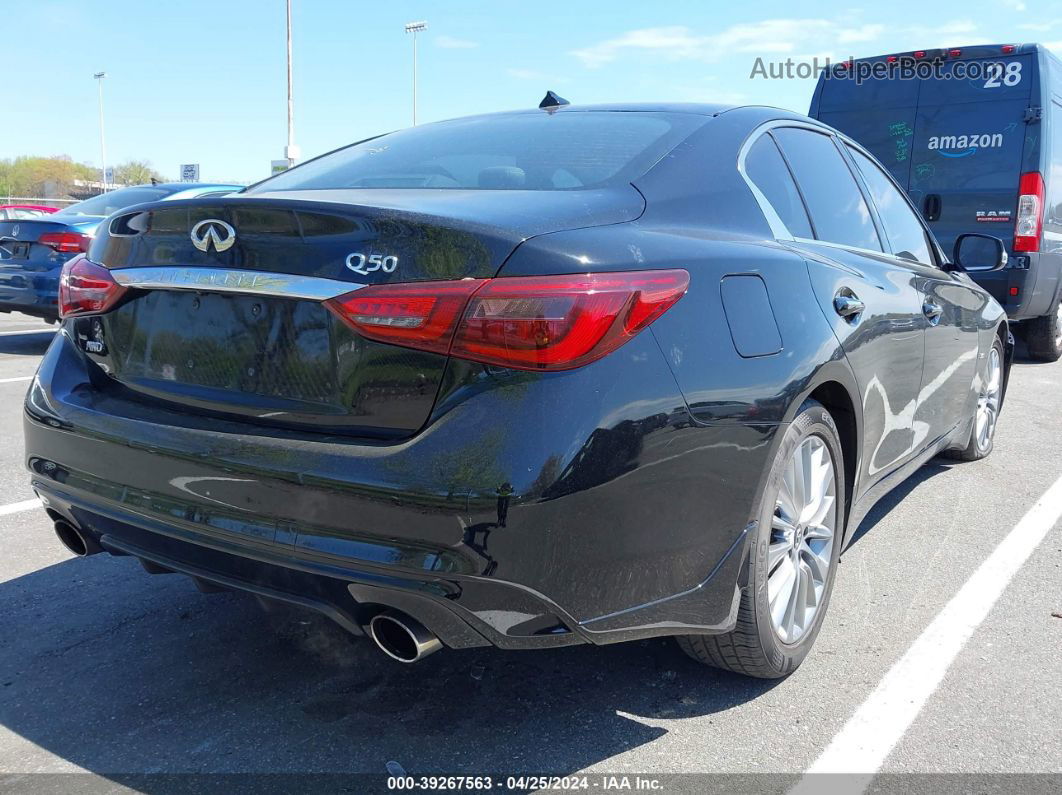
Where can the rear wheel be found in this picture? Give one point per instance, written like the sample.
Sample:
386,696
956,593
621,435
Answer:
986,413
793,560
1043,336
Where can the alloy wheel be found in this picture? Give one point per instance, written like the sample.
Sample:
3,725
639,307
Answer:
802,535
988,402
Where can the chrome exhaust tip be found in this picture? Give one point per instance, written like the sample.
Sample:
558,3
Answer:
402,638
75,541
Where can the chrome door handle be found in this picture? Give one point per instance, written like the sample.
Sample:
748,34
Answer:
848,306
932,310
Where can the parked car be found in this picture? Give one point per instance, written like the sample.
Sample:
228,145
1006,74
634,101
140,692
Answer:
33,250
978,147
20,212
433,384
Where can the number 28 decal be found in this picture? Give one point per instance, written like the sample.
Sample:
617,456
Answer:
1011,75
360,263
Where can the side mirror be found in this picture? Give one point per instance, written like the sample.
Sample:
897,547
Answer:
977,253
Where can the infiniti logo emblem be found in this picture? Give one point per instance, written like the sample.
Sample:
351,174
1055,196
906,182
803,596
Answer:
213,231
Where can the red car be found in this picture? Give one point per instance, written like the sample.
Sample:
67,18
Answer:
21,212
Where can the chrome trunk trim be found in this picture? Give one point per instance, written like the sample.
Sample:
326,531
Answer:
231,280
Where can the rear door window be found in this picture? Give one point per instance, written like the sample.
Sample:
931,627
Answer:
838,210
768,171
907,237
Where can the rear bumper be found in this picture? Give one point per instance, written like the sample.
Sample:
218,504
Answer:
30,292
488,533
1026,292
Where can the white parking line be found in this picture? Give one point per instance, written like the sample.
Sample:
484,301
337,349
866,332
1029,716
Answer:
17,378
863,744
18,507
27,331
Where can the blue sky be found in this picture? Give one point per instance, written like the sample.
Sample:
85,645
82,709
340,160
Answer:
204,81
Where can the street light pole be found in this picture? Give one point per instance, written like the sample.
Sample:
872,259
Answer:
103,144
415,28
291,151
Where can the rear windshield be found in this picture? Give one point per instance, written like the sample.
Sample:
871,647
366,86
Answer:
107,203
535,151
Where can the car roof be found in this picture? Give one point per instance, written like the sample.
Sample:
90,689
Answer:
696,108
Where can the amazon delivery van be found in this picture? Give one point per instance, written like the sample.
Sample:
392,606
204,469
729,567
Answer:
974,134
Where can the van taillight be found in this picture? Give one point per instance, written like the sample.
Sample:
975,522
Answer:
86,288
1007,49
521,322
955,53
1030,218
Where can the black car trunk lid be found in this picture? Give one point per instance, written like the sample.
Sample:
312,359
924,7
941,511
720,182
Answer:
225,313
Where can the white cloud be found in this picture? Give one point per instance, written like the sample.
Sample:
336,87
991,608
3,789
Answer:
450,43
1015,5
862,33
771,38
1043,24
525,74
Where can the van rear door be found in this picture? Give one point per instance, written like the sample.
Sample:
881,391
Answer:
970,135
879,113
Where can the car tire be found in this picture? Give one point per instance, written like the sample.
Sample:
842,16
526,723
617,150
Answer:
986,411
764,643
1043,336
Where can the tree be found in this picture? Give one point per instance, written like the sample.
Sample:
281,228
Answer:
28,176
135,172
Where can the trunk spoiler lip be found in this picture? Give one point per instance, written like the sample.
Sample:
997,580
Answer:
233,280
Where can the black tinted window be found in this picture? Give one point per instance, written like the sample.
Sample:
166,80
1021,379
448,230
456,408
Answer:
768,171
906,235
533,151
837,207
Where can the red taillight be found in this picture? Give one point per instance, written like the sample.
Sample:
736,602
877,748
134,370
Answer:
65,242
891,59
562,322
420,315
920,54
1007,49
524,322
86,288
955,53
1029,223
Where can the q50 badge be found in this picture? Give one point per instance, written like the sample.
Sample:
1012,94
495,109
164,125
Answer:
360,263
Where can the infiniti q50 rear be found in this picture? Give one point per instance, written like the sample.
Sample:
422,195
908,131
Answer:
569,375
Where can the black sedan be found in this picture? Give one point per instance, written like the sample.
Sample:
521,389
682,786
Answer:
567,375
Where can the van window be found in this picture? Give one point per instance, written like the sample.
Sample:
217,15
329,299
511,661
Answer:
902,227
768,171
837,207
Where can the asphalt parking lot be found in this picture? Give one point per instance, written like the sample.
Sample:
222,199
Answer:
107,670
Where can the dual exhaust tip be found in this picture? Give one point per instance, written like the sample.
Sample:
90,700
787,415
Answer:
397,635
